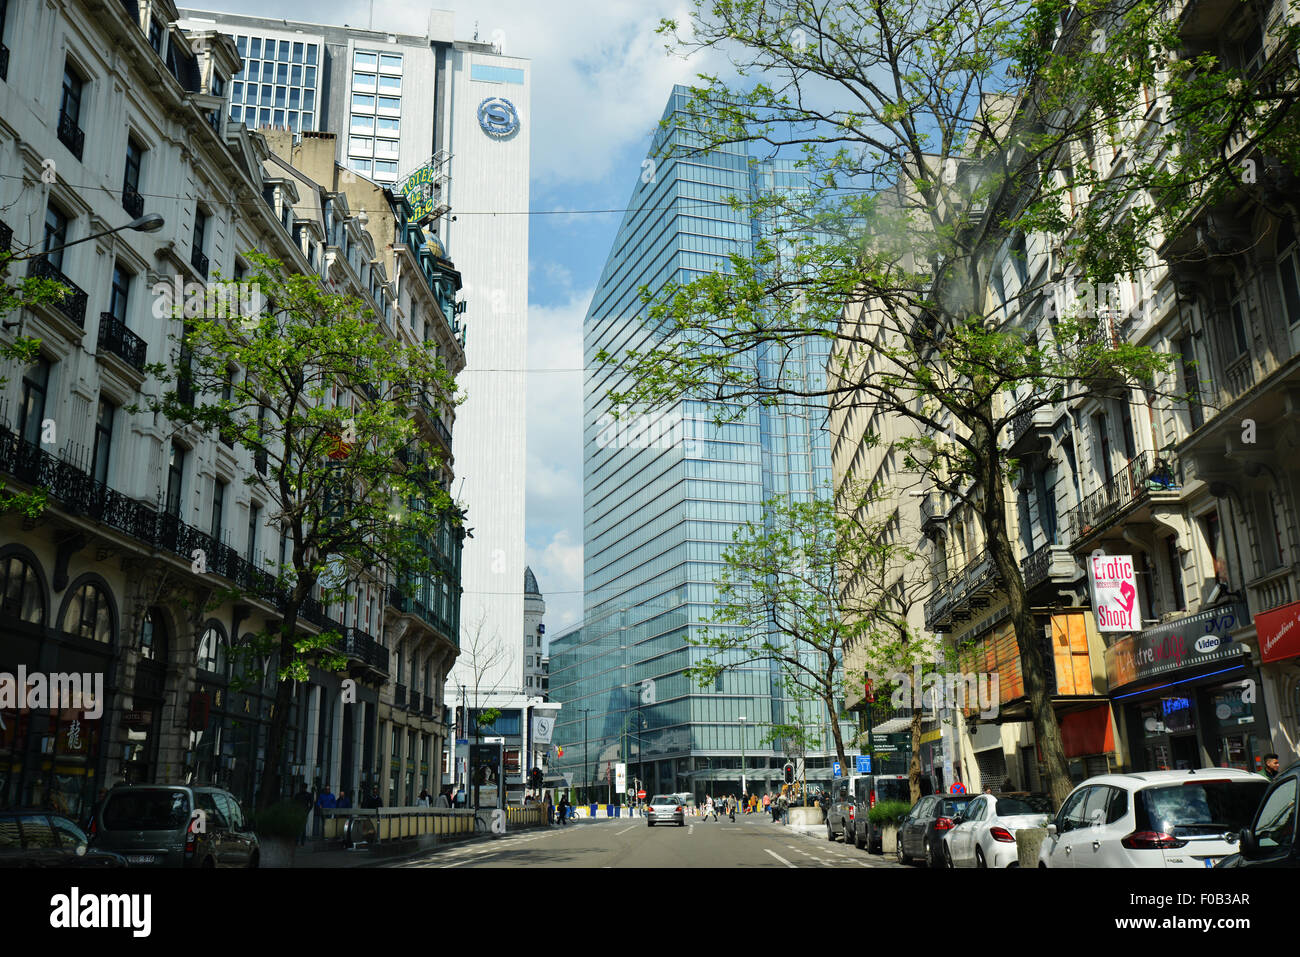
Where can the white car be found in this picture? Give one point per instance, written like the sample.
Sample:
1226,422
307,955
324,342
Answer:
985,834
1153,819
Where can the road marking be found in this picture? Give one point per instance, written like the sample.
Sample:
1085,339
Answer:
690,830
779,857
625,830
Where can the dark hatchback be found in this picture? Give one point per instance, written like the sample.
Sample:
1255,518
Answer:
1271,839
157,826
35,838
920,834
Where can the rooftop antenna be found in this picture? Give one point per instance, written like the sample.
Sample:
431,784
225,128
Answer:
475,30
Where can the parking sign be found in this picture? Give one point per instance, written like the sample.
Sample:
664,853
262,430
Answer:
837,770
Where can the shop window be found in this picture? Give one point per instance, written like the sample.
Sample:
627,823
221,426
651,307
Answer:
89,614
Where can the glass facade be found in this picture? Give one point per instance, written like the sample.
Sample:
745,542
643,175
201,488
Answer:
278,85
663,494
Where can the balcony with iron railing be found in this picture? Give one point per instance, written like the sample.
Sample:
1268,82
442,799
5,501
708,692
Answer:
1050,562
932,511
956,598
1029,424
413,701
1135,482
399,696
199,262
70,134
132,202
117,339
73,304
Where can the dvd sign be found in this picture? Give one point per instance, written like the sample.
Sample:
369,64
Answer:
1114,593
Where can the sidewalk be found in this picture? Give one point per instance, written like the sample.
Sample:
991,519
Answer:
330,855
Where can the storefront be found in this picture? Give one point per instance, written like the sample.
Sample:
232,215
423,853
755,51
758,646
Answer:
1185,691
1278,630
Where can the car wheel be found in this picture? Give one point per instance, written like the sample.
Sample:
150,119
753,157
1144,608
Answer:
857,839
830,834
898,851
979,858
947,858
929,854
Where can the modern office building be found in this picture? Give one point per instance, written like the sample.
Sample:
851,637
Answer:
662,496
399,104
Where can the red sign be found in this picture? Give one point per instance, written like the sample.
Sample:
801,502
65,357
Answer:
1279,632
957,788
871,695
640,795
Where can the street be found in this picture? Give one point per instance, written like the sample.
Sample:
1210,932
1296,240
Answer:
752,841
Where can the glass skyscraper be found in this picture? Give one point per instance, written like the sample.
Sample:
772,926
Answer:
662,498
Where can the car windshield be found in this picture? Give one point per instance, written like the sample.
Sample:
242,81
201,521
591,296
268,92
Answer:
663,799
1029,804
1202,807
147,810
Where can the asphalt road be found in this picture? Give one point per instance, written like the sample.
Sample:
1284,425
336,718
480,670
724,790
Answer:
752,841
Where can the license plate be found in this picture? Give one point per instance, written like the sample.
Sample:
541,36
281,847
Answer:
140,858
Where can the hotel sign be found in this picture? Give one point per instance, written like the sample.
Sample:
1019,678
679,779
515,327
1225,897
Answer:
1199,639
418,190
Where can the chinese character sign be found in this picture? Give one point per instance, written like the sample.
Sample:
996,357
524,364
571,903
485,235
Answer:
1114,593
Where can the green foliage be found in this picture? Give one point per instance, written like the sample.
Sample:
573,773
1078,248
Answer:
285,820
888,812
487,717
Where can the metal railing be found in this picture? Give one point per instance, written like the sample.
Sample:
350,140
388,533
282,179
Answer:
116,338
959,589
413,701
70,134
1143,473
132,202
399,696
73,304
199,262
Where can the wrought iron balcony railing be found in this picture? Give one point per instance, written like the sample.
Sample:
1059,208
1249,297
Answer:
399,696
962,591
116,338
199,262
73,304
413,702
70,134
1136,478
132,202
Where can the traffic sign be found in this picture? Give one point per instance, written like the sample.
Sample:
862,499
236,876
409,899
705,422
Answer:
837,770
864,764
957,788
640,795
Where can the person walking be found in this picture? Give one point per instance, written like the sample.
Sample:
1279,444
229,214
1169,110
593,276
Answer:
423,799
325,801
343,800
731,806
1271,767
443,799
564,809
306,802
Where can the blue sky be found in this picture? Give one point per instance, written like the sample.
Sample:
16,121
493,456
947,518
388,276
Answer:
600,79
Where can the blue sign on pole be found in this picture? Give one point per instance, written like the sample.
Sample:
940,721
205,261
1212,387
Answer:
836,770
864,764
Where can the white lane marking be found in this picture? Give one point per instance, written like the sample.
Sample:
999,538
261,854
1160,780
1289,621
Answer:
625,830
690,830
779,857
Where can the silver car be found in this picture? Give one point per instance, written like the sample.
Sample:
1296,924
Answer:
665,809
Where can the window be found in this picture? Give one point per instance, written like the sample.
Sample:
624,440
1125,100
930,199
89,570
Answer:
389,124
1275,827
56,236
360,165
282,54
120,292
255,47
297,52
70,103
393,103
385,168
131,177
1238,343
212,651
1175,571
391,62
36,384
89,615
311,53
386,148
363,82
1210,527
360,145
200,230
103,439
254,524
363,124
218,506
20,592
241,44
1191,384
150,647
390,84
156,36
362,102
175,478
364,61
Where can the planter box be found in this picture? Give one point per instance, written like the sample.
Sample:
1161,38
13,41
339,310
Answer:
888,838
276,852
806,817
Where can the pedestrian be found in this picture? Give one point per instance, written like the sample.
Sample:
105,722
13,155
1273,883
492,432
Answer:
343,800
550,809
423,799
767,801
443,799
731,806
324,801
1271,767
306,802
373,800
564,809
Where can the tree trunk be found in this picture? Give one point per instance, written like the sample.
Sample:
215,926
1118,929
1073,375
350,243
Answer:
1033,667
269,791
914,768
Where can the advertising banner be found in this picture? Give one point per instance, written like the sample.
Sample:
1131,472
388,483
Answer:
1114,593
620,778
543,725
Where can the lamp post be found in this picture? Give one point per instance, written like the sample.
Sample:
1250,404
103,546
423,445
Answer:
742,758
148,223
586,758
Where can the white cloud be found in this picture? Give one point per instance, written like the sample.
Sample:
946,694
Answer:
558,567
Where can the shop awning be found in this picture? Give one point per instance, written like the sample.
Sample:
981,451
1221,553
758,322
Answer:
1088,732
1279,632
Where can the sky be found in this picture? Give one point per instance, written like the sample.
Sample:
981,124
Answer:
600,78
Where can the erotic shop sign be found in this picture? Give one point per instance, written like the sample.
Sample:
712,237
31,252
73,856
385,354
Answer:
1114,592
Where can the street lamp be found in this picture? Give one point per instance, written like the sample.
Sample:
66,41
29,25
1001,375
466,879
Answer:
148,223
586,758
743,792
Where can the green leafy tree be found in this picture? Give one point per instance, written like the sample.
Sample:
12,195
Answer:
320,396
941,138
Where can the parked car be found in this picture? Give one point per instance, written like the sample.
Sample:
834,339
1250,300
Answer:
665,809
36,838
920,833
839,809
870,790
1270,841
155,826
1153,819
984,835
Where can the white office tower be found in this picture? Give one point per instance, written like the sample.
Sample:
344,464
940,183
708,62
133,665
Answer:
401,103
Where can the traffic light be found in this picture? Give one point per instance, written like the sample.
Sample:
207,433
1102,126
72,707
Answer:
789,773
535,778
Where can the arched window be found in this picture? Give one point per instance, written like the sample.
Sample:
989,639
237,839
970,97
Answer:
89,614
212,652
20,591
